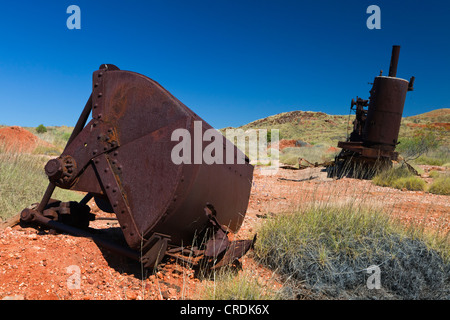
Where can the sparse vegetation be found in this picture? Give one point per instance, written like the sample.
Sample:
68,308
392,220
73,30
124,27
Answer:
327,249
314,127
400,178
434,174
436,160
411,183
228,285
47,150
23,182
56,136
317,153
422,142
424,139
440,185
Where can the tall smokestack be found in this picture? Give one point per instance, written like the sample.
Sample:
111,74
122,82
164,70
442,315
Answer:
394,61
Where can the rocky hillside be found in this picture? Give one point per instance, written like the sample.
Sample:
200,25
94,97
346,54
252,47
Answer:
322,128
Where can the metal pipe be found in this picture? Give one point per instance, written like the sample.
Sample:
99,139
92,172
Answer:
411,83
394,61
48,193
81,120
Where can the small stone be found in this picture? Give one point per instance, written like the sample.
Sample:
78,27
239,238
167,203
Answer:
33,236
131,295
14,297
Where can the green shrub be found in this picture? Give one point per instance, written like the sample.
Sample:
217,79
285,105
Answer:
41,129
400,178
431,161
57,136
386,178
440,185
328,249
421,143
434,174
412,183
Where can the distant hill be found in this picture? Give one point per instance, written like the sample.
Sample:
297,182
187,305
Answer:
322,128
438,115
438,120
312,127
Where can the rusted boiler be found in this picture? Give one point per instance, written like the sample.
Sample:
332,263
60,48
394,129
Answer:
376,127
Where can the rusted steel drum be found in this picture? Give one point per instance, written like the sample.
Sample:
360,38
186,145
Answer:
123,157
387,99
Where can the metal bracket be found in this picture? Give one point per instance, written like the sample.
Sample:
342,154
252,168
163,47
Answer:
115,194
155,249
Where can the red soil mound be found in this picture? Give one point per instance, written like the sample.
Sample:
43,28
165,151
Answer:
17,139
284,144
287,144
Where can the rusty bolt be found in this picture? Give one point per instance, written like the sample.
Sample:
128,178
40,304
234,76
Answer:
54,169
27,214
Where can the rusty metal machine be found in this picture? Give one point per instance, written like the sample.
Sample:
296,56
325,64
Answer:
122,159
376,127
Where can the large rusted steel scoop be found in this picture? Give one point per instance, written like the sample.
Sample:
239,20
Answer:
123,158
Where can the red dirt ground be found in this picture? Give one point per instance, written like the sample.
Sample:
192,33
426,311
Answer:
34,266
17,139
283,143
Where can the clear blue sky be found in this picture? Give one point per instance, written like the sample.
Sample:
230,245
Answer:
230,61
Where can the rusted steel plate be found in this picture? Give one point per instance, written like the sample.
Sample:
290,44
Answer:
124,156
385,112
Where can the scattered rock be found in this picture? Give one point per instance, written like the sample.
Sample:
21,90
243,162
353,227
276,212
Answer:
18,139
14,297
